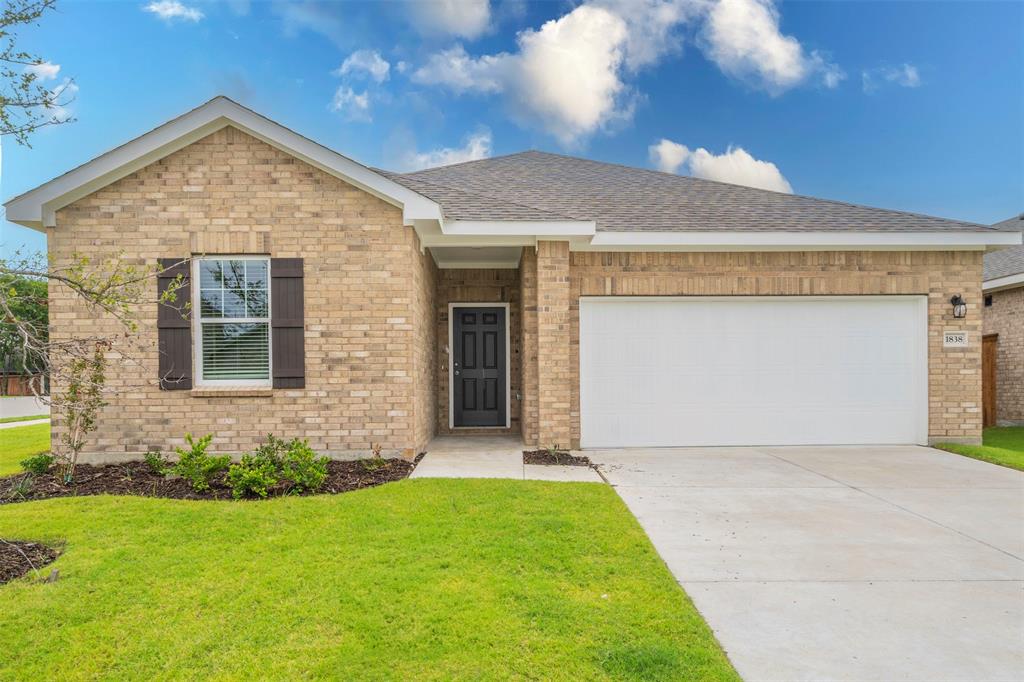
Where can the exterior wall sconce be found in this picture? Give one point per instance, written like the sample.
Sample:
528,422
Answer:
959,307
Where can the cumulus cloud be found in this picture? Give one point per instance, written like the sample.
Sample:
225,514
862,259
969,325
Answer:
169,10
744,39
566,75
354,106
736,166
476,146
571,74
904,75
368,62
460,18
44,71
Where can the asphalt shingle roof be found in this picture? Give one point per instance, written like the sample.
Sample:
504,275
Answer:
1007,261
530,185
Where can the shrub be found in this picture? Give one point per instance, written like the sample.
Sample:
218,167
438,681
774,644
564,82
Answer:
22,487
197,467
274,450
302,467
38,464
254,475
158,463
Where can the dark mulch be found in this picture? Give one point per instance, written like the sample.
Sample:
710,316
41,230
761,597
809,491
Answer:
136,478
18,558
556,458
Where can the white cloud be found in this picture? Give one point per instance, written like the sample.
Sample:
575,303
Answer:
44,71
565,74
169,10
476,146
461,18
365,61
352,105
743,38
735,166
904,75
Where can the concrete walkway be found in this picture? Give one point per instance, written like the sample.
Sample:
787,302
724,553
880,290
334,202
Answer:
840,563
11,425
491,457
22,406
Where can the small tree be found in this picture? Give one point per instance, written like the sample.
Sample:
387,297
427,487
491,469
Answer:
26,104
80,403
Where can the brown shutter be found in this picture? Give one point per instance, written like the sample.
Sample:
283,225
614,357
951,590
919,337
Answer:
174,328
287,323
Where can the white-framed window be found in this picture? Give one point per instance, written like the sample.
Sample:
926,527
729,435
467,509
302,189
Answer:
232,320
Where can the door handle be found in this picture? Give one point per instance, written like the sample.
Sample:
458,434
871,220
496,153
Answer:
456,372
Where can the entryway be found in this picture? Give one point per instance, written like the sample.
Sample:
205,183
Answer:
479,334
491,457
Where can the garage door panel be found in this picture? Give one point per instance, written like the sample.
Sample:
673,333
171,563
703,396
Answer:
800,370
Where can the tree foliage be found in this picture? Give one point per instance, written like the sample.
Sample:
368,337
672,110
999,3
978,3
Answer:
26,104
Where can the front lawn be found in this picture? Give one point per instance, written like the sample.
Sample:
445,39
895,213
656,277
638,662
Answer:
1003,445
421,579
19,442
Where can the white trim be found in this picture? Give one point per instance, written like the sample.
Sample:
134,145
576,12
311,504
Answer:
539,228
795,241
37,208
197,329
921,388
1003,282
508,364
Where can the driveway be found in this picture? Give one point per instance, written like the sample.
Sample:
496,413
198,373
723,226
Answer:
853,563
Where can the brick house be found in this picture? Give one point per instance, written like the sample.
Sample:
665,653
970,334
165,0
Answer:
1003,361
565,300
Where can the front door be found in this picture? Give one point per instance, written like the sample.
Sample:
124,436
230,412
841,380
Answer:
478,366
988,379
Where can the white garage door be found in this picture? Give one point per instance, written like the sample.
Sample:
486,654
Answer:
753,371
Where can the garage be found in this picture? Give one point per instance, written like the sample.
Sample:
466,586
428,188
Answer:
794,370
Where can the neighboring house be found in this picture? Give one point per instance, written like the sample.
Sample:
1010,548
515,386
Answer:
1003,289
566,300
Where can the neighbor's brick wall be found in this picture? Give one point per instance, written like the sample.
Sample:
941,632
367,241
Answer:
954,374
360,298
1006,318
425,346
477,286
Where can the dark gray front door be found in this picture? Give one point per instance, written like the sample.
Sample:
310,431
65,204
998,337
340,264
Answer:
478,366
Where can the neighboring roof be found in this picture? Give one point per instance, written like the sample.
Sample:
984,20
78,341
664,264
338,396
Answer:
1007,262
624,199
36,208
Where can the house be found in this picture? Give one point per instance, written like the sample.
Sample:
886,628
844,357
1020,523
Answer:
573,302
1003,353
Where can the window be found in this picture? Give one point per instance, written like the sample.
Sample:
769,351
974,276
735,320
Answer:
233,321
988,301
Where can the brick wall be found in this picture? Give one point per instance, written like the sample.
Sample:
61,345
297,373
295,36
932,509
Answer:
1006,318
557,370
360,307
954,374
528,340
478,286
425,346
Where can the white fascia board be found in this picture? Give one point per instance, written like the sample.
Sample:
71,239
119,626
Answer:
706,240
37,207
1007,282
532,228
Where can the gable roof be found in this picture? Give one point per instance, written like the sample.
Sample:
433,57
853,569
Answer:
625,199
37,207
1007,262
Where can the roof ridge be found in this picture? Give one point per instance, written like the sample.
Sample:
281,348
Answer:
691,178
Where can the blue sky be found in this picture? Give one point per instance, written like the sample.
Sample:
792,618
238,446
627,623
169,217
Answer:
916,106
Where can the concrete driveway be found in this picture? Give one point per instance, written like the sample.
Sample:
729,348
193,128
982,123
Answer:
852,563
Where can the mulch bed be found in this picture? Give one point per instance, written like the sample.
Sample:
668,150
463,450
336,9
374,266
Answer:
136,478
557,458
19,558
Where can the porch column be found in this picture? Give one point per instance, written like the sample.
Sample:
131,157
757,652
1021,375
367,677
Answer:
528,344
554,372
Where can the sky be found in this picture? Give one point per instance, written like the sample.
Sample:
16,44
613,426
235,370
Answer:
916,106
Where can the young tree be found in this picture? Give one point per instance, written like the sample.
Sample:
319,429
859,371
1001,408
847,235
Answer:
25,103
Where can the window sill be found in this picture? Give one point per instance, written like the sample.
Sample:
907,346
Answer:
237,392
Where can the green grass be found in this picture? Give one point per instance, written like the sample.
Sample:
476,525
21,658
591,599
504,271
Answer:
19,442
1003,445
421,579
8,420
